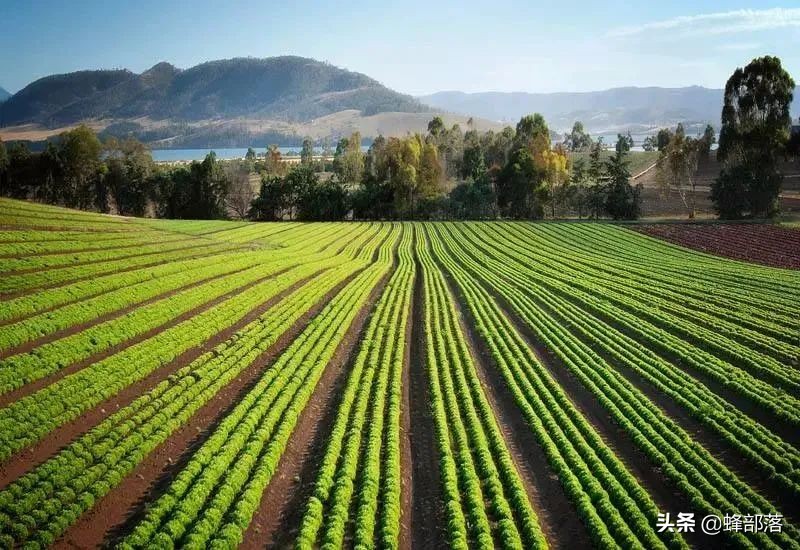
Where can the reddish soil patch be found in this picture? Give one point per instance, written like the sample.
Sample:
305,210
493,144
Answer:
280,512
119,511
29,458
765,244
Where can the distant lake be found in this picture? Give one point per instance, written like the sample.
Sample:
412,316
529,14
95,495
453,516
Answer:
175,155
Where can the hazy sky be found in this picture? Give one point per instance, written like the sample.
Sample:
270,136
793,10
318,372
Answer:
413,46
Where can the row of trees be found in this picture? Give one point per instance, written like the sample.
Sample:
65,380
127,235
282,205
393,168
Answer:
450,174
79,171
443,174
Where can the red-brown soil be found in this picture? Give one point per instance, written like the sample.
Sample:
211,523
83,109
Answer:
764,244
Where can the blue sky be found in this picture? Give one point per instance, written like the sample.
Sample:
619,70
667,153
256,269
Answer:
412,46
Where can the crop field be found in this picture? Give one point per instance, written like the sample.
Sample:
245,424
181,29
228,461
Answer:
213,384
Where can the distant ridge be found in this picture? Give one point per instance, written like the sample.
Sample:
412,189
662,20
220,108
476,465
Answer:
288,88
4,94
617,109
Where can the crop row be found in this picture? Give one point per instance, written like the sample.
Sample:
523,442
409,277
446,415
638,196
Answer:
614,507
362,453
42,504
729,294
48,299
776,458
486,502
699,301
18,370
633,315
212,500
712,488
52,277
64,246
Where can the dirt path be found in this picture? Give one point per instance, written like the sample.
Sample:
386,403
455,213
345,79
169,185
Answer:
557,516
421,475
119,511
30,457
406,454
275,523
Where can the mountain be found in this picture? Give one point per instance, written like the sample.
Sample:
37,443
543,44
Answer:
618,109
291,89
3,94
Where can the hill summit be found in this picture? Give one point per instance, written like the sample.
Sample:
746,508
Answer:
286,88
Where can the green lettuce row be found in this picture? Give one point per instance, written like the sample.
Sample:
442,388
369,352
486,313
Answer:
687,320
23,236
780,342
621,243
711,486
473,427
32,246
763,448
47,278
44,502
30,418
18,370
606,494
335,483
44,324
58,261
215,495
703,282
28,305
773,399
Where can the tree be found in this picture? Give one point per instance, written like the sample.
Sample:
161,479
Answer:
80,154
662,138
273,200
622,199
706,141
676,168
250,156
650,143
348,160
128,176
578,139
624,143
596,171
274,163
240,193
307,152
754,132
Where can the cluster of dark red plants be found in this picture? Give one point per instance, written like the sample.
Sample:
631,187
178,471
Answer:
765,244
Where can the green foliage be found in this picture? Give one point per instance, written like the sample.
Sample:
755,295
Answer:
622,199
754,132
